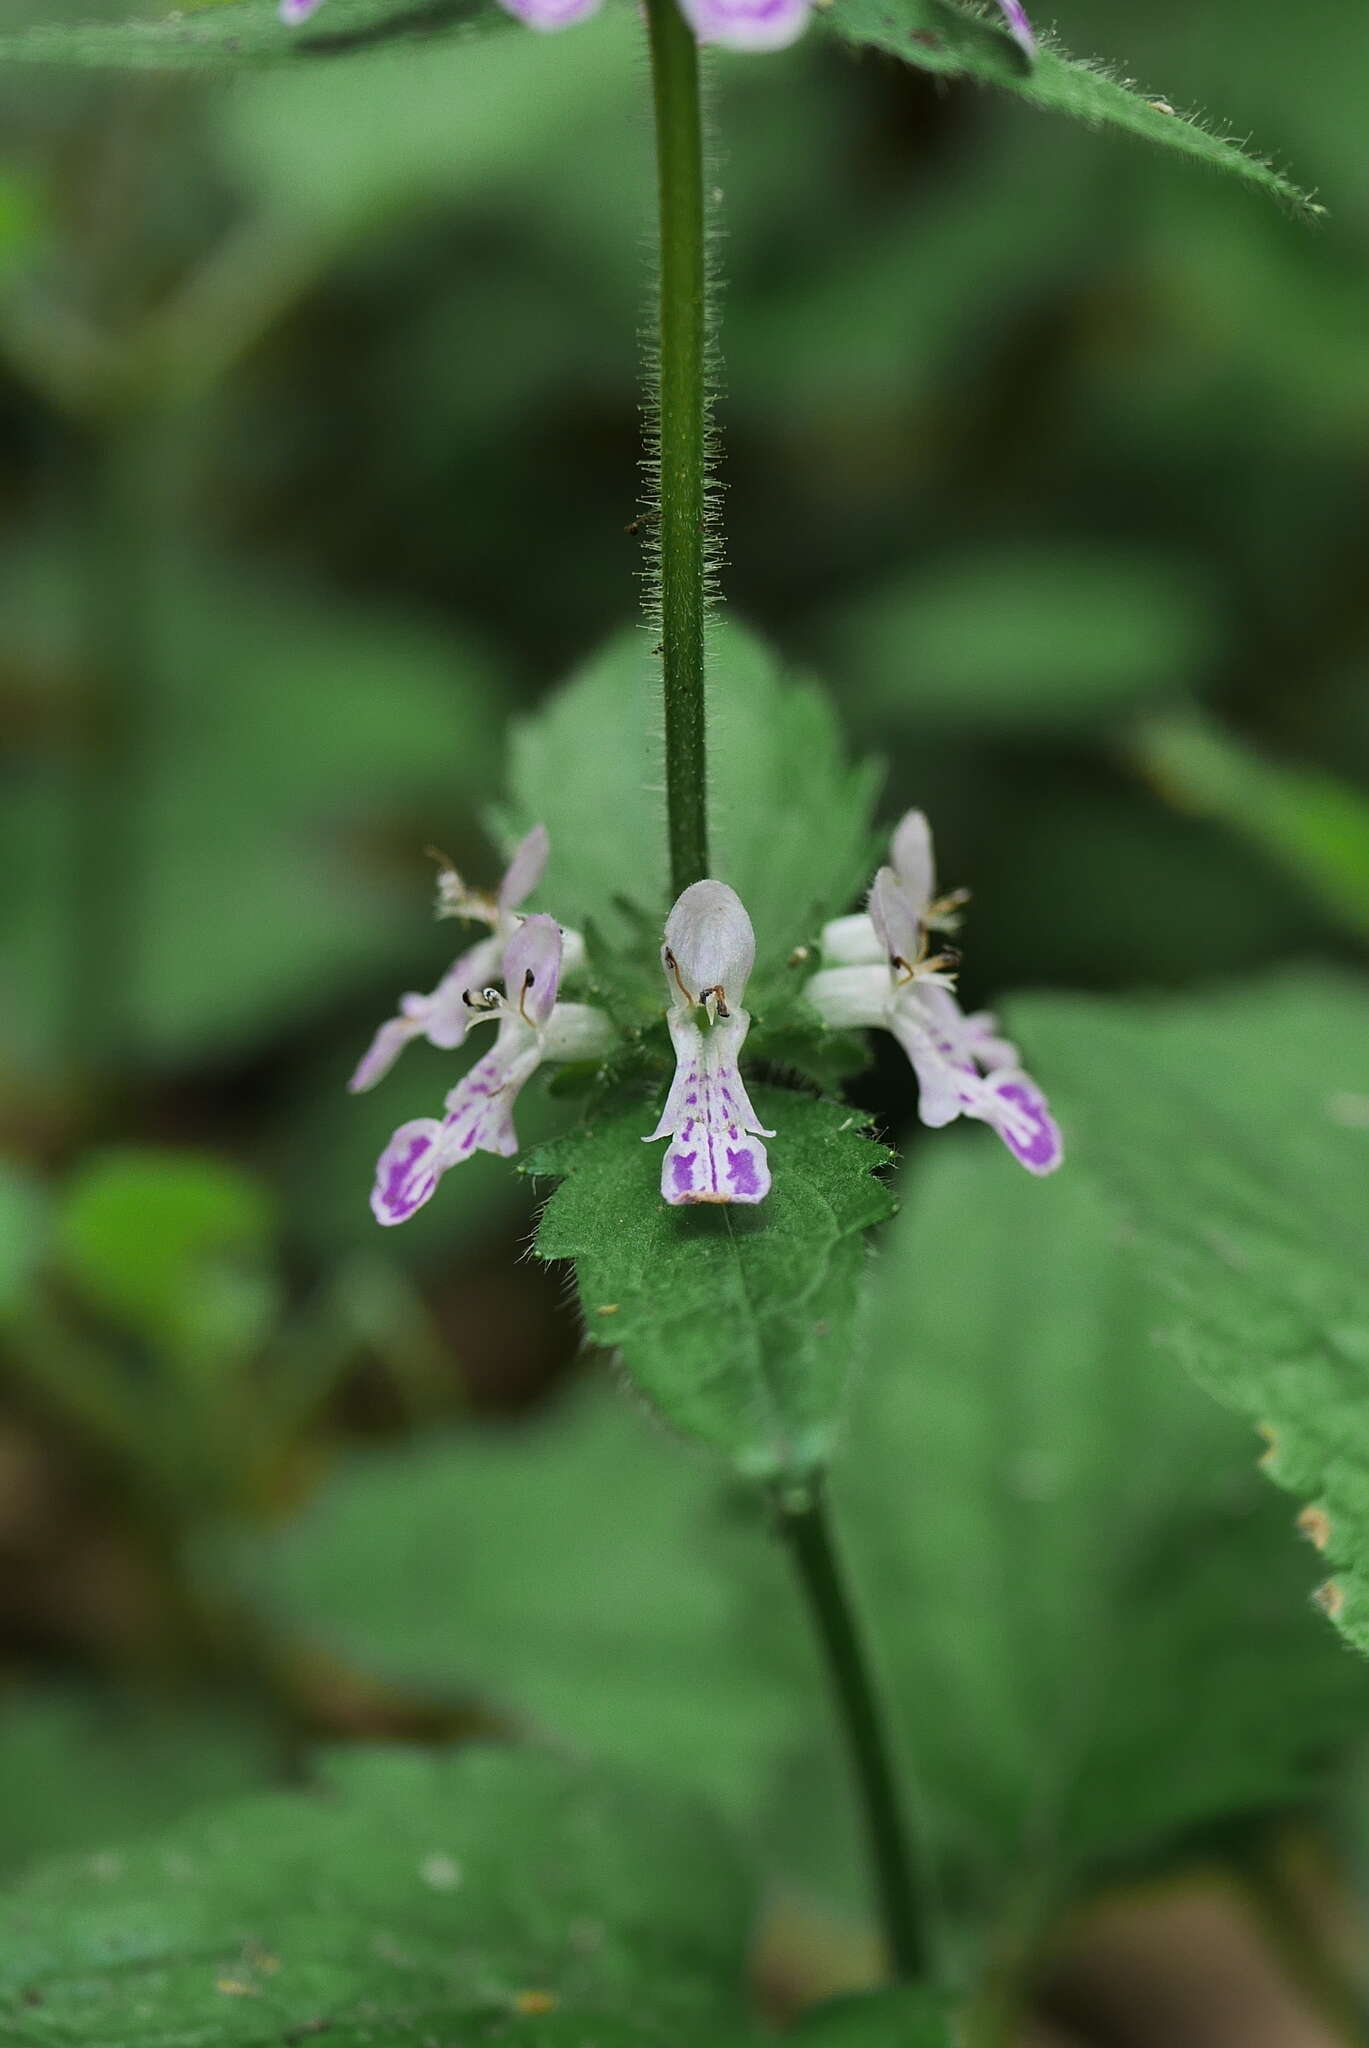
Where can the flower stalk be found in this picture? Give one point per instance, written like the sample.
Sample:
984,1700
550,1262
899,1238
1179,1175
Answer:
682,542
807,1531
682,433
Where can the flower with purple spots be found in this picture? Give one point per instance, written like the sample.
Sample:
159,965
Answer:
444,1017
880,972
533,1027
715,1154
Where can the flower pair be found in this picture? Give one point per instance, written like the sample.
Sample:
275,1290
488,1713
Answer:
714,1155
736,24
880,971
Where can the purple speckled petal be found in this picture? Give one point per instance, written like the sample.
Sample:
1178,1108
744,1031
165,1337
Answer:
1019,28
715,1154
747,24
704,1165
1021,1116
480,1107
292,12
526,869
551,14
984,1044
408,1170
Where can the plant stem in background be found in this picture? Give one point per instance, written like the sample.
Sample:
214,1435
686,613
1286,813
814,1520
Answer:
682,433
807,1531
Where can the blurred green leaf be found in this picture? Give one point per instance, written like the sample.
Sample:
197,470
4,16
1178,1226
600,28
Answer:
1058,1526
286,730
410,1897
447,122
228,35
1310,824
790,817
81,1772
881,2019
1037,637
24,1224
595,1572
1045,1523
175,1247
956,40
1236,1129
737,1323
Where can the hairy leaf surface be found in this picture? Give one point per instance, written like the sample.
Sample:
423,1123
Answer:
736,1322
1235,1128
956,40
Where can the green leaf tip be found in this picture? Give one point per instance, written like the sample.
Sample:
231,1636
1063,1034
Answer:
737,1325
955,40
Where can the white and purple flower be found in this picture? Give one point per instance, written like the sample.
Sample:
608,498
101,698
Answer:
715,1154
882,974
444,1017
533,1027
733,24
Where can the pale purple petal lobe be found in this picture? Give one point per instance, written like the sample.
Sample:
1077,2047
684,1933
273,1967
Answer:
526,869
408,1170
551,14
532,968
911,851
381,1054
896,918
747,24
1019,28
447,1015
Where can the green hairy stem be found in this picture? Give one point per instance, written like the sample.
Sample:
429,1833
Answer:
682,545
807,1531
682,433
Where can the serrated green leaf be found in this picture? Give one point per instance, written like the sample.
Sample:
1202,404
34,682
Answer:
1044,1523
790,818
1078,1529
956,40
1309,823
737,1323
233,35
408,1898
1235,1129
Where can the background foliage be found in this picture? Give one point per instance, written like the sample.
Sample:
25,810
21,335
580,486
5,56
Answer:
1047,452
